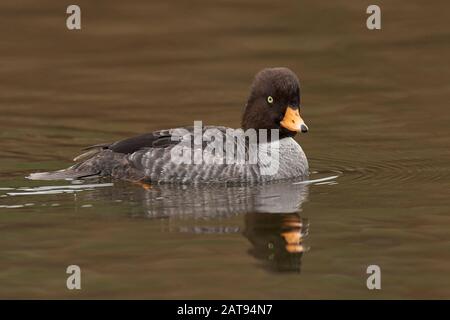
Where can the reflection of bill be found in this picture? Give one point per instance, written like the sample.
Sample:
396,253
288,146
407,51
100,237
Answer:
294,234
277,240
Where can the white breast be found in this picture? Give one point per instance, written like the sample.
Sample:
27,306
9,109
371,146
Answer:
282,159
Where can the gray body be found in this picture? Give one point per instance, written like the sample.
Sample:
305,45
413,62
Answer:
156,165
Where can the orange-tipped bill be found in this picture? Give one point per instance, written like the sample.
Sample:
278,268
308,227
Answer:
292,121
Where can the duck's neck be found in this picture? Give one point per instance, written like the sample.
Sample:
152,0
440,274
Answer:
267,137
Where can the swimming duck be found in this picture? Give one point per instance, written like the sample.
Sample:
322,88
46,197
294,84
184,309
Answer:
272,112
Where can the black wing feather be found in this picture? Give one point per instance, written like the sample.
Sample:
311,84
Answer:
156,139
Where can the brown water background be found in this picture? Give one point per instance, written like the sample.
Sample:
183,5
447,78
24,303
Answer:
376,103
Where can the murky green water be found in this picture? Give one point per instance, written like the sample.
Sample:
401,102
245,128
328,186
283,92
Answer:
376,102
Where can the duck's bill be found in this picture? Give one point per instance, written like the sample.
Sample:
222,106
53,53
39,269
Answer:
292,121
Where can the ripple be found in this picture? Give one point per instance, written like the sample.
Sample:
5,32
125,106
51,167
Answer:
25,191
383,171
46,190
326,180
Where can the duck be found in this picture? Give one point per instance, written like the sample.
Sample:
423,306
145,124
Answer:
270,121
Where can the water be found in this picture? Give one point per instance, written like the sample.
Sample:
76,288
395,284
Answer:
376,104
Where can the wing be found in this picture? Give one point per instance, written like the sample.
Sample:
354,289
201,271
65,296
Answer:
150,155
155,139
159,165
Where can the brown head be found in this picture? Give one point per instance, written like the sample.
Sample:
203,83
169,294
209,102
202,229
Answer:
274,103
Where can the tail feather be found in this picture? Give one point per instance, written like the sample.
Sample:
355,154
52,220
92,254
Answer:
65,174
93,163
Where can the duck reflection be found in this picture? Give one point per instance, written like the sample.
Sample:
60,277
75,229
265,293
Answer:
272,222
277,239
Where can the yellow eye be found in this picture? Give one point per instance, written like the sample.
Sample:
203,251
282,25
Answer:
269,99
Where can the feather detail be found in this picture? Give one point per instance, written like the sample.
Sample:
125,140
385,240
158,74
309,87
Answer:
88,154
70,173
